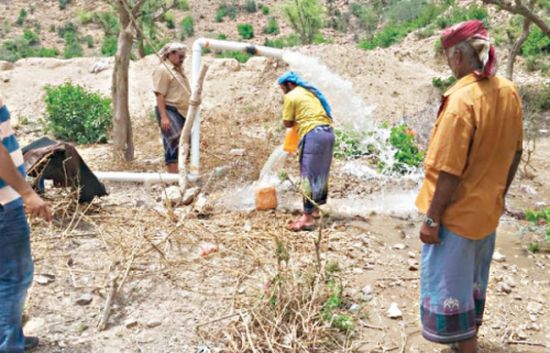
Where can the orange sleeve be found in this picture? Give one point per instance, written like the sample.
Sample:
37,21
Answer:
450,144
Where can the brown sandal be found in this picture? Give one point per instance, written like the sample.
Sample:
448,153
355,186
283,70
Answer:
298,226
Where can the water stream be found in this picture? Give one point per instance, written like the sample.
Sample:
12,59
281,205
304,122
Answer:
351,114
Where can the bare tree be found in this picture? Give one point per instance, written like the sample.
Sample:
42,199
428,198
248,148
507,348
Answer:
528,11
518,7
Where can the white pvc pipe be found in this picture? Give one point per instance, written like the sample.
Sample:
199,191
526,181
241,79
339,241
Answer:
152,178
196,66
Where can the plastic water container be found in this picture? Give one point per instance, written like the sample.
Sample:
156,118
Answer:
266,198
290,144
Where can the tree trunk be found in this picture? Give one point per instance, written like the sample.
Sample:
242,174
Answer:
123,145
514,51
141,45
521,9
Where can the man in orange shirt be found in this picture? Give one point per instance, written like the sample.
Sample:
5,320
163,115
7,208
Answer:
474,151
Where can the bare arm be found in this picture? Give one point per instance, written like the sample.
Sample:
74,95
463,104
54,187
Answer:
288,123
513,170
444,190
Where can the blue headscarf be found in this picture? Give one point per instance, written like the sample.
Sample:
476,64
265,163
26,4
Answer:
291,77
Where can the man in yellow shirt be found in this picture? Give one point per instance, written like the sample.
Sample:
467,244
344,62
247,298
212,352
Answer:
172,92
307,108
474,151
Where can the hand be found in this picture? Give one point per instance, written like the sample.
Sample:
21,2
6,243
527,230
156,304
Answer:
429,235
36,207
164,123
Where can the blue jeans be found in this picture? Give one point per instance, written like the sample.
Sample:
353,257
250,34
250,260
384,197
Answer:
16,270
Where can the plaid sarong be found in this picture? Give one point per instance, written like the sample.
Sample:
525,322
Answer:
171,137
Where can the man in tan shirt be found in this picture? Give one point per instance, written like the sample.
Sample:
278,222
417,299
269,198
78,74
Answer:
473,155
172,91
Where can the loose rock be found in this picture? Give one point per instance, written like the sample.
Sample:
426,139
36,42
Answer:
394,312
85,299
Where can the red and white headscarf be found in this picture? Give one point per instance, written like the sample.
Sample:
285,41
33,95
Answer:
475,33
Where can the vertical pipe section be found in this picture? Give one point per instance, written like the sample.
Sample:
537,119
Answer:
222,45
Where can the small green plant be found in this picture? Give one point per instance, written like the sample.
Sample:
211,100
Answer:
348,145
291,40
265,10
31,37
65,28
250,6
246,31
186,27
170,20
85,17
221,36
272,26
408,154
240,56
73,48
534,247
226,10
459,14
75,114
367,17
541,226
6,27
109,46
183,5
21,18
63,4
442,84
89,41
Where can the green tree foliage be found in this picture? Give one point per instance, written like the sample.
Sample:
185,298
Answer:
246,31
305,17
75,114
109,46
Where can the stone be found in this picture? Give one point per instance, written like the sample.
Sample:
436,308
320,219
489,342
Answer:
411,255
84,299
498,256
34,325
190,195
413,265
130,323
534,308
504,287
399,246
153,323
172,194
393,312
44,279
237,152
354,308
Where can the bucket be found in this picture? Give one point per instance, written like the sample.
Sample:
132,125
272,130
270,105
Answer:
290,145
266,198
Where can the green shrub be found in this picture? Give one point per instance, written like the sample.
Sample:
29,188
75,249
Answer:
187,27
240,56
170,20
65,28
46,52
442,84
85,17
225,10
183,5
408,154
89,41
109,46
6,27
250,6
73,48
459,14
537,43
338,21
265,10
305,17
246,31
221,36
31,37
272,26
109,22
291,40
75,114
21,18
367,17
63,4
